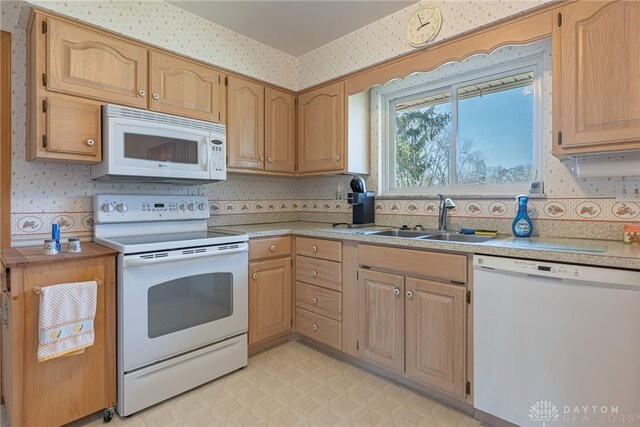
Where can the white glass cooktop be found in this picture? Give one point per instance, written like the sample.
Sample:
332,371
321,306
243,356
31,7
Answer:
168,241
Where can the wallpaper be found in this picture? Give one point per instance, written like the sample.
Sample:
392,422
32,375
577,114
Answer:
46,193
384,39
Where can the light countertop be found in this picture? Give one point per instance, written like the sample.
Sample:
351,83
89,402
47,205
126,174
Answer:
604,253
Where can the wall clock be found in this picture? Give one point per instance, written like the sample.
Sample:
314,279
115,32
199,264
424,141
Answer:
423,26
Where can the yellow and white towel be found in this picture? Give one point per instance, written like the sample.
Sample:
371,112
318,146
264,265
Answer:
66,318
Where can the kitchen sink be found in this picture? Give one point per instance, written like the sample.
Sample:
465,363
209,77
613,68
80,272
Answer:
407,234
433,235
456,237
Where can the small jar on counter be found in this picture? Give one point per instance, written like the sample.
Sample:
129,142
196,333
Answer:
50,247
73,245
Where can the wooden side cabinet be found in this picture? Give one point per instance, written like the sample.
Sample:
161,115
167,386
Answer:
270,289
321,132
596,77
64,389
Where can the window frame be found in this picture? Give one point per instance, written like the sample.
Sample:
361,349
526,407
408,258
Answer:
388,100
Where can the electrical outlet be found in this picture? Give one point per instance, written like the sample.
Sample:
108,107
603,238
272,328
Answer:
628,191
536,187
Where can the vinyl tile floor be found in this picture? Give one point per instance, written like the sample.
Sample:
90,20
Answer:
294,385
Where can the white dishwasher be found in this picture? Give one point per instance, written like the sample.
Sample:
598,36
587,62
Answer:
556,344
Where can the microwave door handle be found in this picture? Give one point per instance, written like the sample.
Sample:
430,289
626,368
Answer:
134,261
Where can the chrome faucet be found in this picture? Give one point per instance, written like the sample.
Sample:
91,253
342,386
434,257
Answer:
445,204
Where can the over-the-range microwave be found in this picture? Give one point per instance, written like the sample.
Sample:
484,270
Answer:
145,146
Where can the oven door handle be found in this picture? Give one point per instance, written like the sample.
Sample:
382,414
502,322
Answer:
137,260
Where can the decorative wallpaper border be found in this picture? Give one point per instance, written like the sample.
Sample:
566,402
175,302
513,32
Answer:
562,209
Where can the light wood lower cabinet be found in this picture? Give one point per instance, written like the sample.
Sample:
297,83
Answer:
415,327
381,338
435,335
270,289
64,389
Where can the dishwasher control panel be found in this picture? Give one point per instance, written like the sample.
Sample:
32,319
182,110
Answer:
558,271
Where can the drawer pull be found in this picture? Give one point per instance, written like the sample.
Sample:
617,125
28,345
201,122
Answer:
90,142
314,273
315,327
255,276
409,294
396,291
314,249
273,248
314,300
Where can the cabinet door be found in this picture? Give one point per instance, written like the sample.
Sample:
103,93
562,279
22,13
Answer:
245,130
269,299
279,131
184,88
72,130
381,337
91,64
321,129
597,77
435,334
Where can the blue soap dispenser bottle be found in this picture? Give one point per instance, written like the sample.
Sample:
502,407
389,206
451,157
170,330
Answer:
522,225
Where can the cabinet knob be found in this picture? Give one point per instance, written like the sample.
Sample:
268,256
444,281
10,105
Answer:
156,96
315,327
262,158
142,92
273,248
338,158
396,291
255,275
314,249
90,142
314,300
269,159
314,273
409,294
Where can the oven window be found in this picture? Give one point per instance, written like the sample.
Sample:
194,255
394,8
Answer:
160,148
183,303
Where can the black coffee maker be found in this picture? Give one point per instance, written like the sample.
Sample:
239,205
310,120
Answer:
363,203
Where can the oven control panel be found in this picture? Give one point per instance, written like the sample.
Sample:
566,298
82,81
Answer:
110,208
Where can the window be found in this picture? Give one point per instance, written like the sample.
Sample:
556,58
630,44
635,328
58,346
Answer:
472,134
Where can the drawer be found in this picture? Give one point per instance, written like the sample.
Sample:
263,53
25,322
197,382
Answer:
269,247
319,300
317,248
327,274
320,328
437,265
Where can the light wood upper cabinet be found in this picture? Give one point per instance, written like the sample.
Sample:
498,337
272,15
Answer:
245,131
269,299
321,132
185,88
381,337
279,131
435,335
72,129
94,65
596,77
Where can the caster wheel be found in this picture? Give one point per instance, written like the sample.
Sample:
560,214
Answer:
107,416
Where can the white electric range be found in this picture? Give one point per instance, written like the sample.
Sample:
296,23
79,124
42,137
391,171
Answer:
182,301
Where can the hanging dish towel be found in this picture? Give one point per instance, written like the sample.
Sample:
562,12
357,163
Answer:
66,318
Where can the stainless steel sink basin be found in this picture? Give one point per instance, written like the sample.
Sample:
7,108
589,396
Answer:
456,237
444,236
407,234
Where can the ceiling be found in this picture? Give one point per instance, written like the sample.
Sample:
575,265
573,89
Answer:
295,27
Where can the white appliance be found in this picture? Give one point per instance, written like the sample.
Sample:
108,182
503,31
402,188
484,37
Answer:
145,146
182,300
556,343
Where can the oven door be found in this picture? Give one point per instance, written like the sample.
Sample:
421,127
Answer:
174,301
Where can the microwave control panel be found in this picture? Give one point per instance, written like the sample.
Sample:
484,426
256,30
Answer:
217,159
